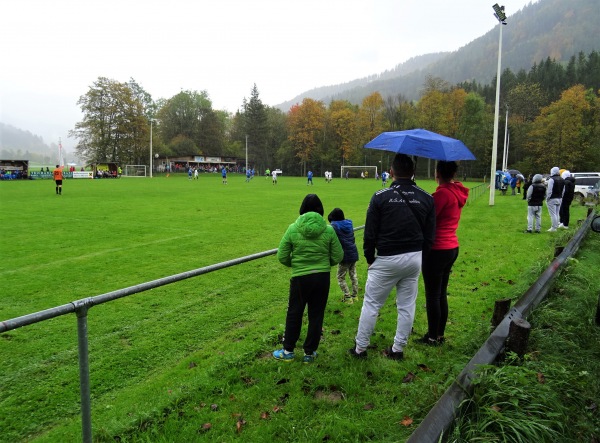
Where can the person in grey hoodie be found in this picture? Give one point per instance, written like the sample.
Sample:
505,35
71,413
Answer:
556,186
536,193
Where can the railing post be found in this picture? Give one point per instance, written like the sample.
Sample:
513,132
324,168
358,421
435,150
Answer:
84,374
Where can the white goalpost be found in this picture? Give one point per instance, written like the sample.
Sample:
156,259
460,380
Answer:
356,171
135,171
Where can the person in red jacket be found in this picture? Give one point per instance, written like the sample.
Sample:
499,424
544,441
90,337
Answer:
449,199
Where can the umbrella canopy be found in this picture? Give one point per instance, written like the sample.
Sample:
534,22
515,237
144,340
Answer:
514,172
422,143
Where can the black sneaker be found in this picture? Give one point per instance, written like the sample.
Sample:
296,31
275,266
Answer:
389,353
353,353
426,340
528,231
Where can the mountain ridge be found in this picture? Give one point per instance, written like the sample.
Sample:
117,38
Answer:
556,29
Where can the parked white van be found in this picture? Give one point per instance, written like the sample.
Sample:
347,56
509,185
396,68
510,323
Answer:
584,182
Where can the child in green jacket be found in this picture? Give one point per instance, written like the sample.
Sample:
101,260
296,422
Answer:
310,247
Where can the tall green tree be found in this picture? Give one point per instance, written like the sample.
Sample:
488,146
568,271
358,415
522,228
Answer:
188,124
114,126
257,129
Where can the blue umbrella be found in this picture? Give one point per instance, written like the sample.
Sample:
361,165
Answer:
422,143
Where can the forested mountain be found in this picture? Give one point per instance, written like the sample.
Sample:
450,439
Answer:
555,29
23,145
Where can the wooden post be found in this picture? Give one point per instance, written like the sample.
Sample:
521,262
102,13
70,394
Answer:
501,308
518,336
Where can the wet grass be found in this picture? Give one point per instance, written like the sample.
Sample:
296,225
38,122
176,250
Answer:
191,360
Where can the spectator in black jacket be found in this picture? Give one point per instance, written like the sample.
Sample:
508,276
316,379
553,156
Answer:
399,230
567,199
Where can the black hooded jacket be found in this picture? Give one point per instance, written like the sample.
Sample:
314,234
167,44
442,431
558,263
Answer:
400,219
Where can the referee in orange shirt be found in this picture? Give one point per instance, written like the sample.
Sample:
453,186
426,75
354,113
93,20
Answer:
58,178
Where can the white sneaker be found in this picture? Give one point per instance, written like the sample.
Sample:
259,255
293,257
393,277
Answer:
561,226
552,230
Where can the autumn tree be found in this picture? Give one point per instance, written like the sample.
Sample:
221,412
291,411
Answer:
114,125
306,127
565,133
342,125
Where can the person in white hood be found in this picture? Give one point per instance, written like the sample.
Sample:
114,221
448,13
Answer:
556,186
567,199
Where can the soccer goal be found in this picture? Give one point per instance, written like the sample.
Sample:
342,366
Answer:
356,171
135,171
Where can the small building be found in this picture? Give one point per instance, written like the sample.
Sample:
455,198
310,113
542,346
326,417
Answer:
205,163
105,169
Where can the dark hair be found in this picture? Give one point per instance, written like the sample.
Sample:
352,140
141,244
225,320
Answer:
403,166
311,203
336,215
446,170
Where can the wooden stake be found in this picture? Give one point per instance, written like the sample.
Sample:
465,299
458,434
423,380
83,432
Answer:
501,308
518,336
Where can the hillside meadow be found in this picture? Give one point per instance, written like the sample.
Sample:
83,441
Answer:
192,360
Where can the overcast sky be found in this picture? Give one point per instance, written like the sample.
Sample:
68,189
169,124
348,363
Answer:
52,51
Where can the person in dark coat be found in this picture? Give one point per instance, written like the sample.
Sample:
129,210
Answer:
345,232
567,199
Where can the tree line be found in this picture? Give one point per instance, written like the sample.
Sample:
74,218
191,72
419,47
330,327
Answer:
553,120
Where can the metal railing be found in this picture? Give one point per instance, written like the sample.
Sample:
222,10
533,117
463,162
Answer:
476,192
81,307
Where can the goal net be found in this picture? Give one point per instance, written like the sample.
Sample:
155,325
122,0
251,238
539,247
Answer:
135,171
359,172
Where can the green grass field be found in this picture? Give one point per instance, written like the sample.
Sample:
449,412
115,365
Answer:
167,362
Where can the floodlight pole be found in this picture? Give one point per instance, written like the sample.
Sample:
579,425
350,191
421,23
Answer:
505,156
246,153
151,120
499,14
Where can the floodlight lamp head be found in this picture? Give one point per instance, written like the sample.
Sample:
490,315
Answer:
499,13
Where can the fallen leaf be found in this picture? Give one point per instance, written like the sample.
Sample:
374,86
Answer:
239,425
408,378
214,407
265,415
205,427
540,377
276,409
423,367
192,365
368,406
496,408
406,421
